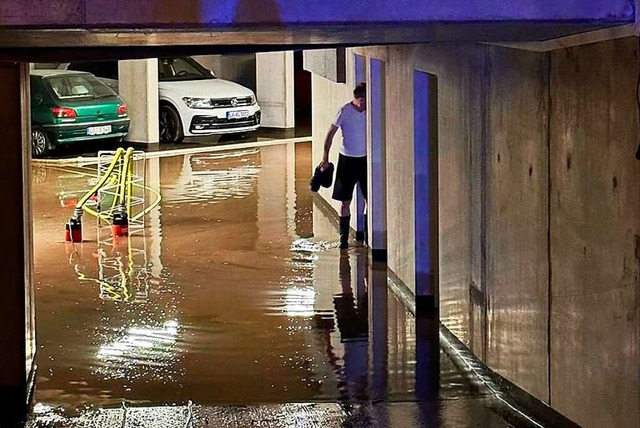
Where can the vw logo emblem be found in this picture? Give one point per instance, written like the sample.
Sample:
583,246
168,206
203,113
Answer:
234,102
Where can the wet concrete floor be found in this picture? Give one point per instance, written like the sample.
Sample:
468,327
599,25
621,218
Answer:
231,306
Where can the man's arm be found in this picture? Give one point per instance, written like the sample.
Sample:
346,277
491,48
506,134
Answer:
327,145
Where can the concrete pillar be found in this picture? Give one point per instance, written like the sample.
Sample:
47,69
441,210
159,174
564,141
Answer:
425,157
17,335
275,89
138,85
360,68
376,158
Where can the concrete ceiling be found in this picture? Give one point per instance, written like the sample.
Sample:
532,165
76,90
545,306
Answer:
40,45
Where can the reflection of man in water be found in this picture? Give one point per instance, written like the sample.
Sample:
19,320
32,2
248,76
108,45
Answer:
354,333
352,319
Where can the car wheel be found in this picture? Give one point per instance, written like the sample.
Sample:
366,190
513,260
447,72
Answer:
39,141
170,125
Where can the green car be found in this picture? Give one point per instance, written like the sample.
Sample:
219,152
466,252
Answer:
70,106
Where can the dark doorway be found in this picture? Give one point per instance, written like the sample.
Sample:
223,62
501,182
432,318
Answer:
302,91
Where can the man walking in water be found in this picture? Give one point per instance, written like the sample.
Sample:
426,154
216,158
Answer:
352,160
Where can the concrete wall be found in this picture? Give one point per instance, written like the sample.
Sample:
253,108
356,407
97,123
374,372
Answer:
595,230
539,211
328,63
516,218
327,97
239,68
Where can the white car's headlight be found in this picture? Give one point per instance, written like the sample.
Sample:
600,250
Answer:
198,102
253,99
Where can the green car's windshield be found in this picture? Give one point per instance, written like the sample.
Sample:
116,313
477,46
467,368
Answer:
78,86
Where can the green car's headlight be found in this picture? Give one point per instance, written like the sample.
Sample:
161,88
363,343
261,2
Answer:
197,102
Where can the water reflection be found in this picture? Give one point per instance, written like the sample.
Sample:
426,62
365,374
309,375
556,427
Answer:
427,377
381,344
231,293
352,321
139,352
299,301
214,177
121,277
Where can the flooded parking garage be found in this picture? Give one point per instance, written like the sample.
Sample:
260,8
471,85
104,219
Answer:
232,307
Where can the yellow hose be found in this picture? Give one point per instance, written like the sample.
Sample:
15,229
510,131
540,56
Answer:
123,281
124,193
137,216
102,180
117,158
97,214
129,187
124,174
150,207
130,260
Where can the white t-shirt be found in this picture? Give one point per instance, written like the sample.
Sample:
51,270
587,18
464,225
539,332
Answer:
354,130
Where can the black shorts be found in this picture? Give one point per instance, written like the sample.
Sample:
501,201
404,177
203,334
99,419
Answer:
351,170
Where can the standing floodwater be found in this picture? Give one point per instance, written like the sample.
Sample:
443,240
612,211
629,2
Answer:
235,294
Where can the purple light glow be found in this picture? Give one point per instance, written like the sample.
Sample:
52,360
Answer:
228,12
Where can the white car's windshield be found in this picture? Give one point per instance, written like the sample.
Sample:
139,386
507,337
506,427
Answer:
176,69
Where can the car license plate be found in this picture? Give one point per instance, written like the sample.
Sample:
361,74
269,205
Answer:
240,114
99,130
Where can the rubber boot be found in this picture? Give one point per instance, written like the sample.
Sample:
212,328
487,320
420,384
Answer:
344,232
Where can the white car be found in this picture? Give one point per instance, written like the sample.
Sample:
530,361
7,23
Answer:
193,101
